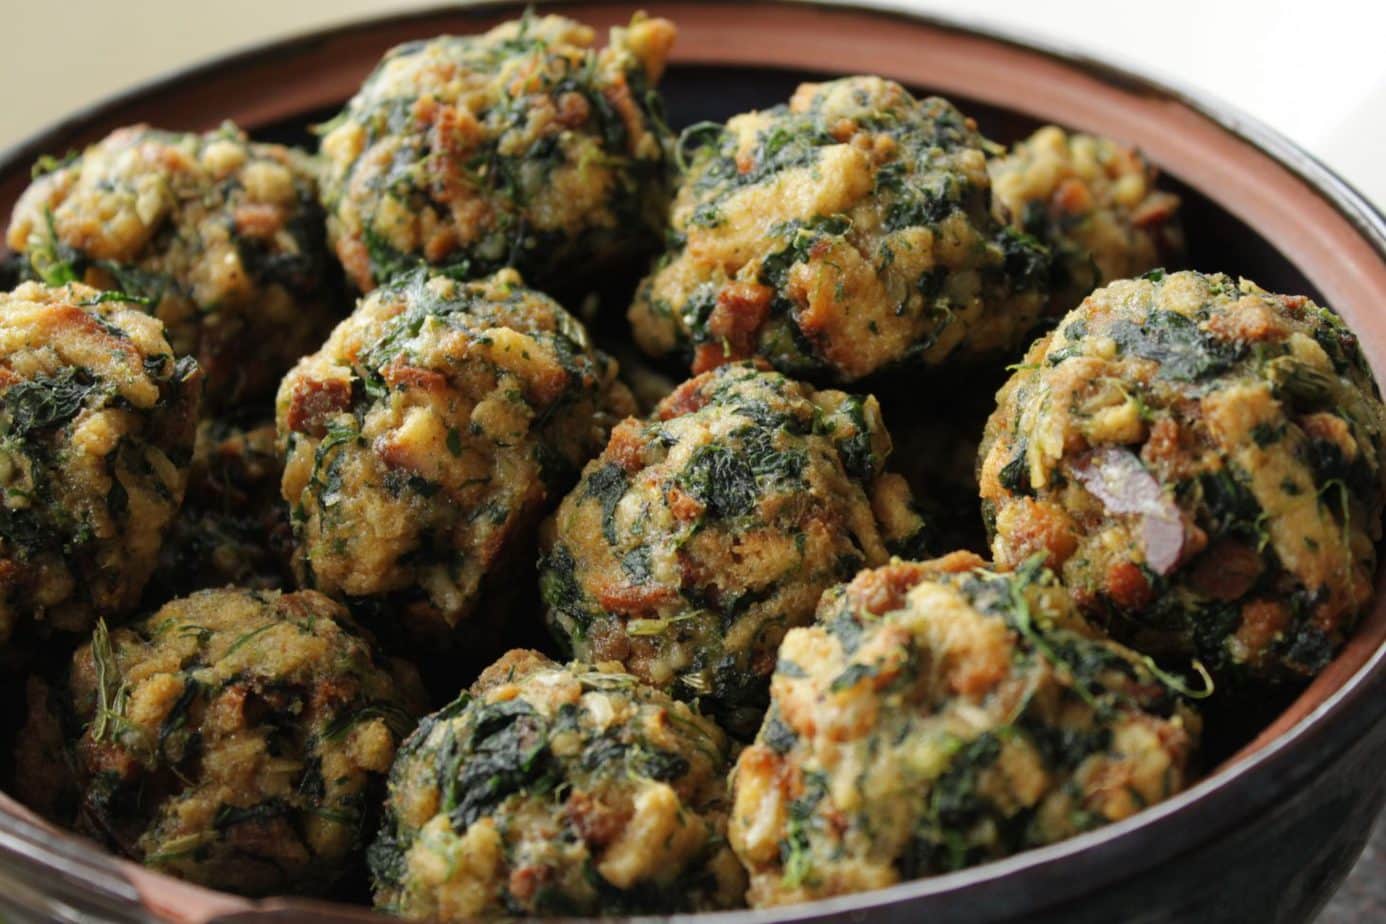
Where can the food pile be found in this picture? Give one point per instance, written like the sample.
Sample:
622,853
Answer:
745,648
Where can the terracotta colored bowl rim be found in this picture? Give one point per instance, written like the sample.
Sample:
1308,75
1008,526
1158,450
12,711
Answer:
1342,704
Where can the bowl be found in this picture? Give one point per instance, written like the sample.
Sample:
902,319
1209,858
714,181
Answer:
1274,828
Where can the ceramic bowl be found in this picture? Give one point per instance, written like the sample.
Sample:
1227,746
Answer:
1275,826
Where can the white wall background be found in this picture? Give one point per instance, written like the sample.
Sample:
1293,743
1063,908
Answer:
1315,69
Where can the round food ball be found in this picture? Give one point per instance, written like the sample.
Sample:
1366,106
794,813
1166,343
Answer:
221,237
939,715
523,146
1094,203
844,233
426,437
557,790
96,426
235,738
700,535
233,527
1201,460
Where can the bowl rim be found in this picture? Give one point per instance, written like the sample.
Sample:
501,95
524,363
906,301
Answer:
1195,816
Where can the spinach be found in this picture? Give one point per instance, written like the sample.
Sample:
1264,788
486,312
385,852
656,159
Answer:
387,263
326,479
399,721
607,485
858,459
385,857
768,461
790,668
694,139
1027,261
229,816
299,269
46,401
920,208
603,750
846,629
177,717
508,754
144,287
52,259
101,298
637,565
47,163
662,766
722,481
796,852
851,676
779,736
22,527
1065,746
1015,474
1230,508
802,235
1264,434
561,593
954,801
1185,353
1310,650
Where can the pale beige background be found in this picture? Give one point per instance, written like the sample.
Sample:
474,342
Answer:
1313,69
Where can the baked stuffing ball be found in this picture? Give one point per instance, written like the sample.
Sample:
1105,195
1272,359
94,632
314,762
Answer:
557,790
846,232
221,237
1094,203
233,527
235,738
1202,461
96,426
938,715
703,533
425,438
524,146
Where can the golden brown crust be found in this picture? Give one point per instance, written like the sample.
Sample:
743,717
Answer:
222,237
842,234
425,438
703,533
96,425
1202,459
937,715
234,738
1093,202
551,789
523,146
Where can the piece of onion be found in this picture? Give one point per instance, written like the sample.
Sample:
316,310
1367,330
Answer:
1118,479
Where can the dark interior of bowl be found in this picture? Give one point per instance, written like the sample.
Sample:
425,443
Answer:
1217,241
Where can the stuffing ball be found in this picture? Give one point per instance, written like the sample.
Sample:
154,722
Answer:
1202,461
939,715
1093,202
220,238
235,738
557,790
233,527
703,533
426,437
846,232
521,147
96,426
